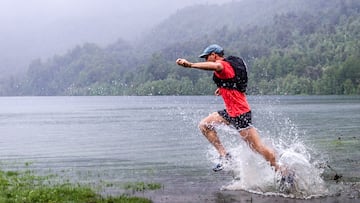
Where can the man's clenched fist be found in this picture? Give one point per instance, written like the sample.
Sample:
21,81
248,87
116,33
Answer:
184,63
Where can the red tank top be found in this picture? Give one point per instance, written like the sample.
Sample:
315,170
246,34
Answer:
235,101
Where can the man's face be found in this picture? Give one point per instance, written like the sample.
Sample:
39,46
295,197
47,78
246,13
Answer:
210,57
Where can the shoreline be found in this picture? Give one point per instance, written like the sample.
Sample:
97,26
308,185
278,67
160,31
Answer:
198,193
237,196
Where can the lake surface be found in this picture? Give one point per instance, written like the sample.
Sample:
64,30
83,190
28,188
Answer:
102,140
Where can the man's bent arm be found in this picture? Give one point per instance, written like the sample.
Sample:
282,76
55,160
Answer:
211,66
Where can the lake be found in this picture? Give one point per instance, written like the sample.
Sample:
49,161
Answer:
109,141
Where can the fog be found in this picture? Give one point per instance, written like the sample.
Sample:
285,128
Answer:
33,29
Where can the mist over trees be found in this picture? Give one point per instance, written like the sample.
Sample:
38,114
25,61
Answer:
291,47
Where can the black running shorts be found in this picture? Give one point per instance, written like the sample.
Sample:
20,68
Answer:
240,122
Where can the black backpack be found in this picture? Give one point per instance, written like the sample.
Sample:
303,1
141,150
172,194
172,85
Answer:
239,82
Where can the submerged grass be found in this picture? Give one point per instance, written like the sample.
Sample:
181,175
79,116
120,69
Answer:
26,187
141,186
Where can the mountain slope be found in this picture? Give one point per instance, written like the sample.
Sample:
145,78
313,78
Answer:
294,47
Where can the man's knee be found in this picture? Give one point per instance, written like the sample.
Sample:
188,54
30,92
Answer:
205,126
208,123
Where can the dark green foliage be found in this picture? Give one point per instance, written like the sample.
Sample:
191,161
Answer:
291,47
26,187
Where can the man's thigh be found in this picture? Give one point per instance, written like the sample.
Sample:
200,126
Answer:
213,119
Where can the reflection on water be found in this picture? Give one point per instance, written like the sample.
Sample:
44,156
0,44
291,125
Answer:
122,139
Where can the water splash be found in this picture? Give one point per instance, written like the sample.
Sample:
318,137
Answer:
252,173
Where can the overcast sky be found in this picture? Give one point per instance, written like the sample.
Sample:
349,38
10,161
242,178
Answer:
32,29
27,15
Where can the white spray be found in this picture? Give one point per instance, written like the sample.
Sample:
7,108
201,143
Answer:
253,173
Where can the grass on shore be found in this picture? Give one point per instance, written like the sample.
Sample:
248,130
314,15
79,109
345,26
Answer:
25,187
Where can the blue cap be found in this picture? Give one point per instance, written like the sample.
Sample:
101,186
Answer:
210,49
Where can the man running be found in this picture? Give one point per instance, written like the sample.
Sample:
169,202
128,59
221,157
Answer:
237,111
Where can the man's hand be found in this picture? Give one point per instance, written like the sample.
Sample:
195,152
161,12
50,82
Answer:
217,92
184,63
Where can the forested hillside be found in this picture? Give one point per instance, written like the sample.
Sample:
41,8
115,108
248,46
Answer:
291,47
